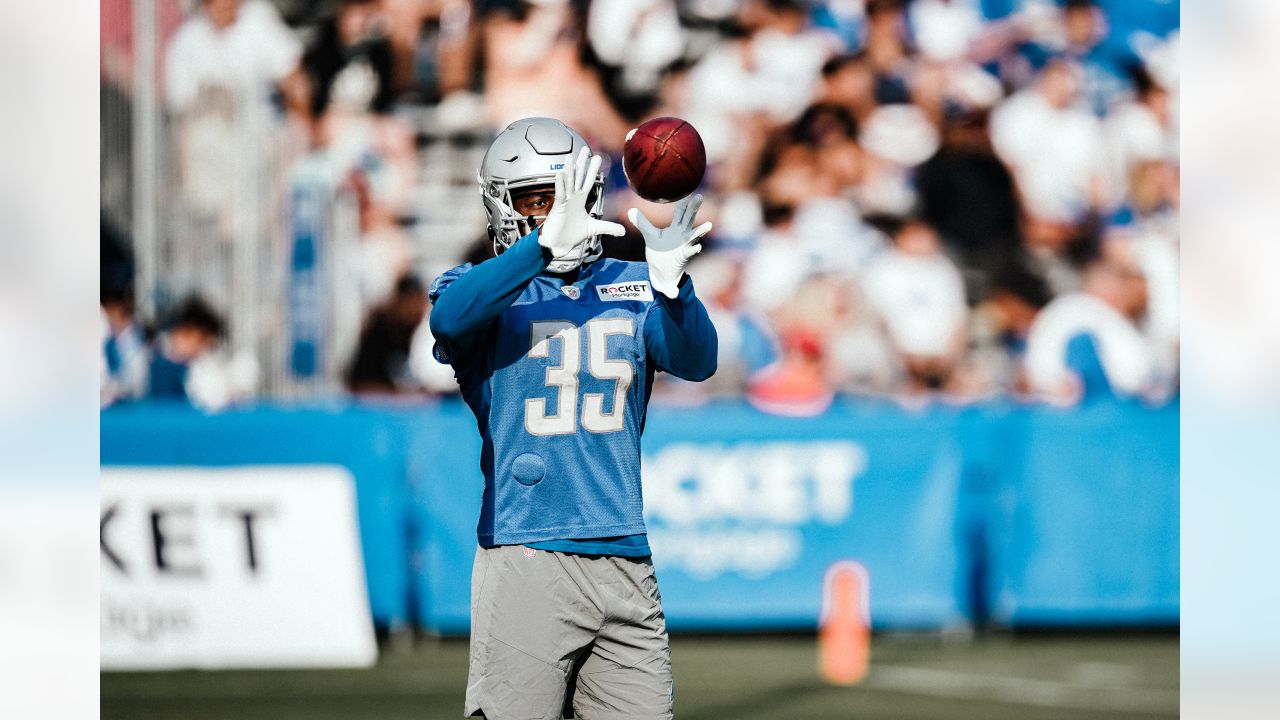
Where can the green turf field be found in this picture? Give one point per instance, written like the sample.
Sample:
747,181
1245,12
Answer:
1026,678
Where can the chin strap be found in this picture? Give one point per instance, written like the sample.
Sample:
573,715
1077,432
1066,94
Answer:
592,251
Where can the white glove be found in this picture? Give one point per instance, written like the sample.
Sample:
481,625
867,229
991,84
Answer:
668,249
569,226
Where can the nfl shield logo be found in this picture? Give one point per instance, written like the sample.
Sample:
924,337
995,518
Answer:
530,552
571,291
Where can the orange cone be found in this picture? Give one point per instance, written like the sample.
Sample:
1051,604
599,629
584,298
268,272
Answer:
844,629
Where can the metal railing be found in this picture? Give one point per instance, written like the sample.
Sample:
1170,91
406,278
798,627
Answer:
224,200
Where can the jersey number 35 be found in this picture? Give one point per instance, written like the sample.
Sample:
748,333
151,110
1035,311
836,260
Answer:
564,377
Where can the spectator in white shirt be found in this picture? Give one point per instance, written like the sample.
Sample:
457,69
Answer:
634,42
771,75
1138,132
188,366
1156,257
1086,345
945,29
241,48
124,349
223,69
1053,145
802,240
919,295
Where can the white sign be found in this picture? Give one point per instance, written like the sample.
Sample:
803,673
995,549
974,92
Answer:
633,290
232,567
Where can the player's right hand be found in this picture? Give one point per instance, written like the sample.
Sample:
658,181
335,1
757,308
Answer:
568,226
668,249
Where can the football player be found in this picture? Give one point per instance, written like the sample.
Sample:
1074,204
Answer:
555,350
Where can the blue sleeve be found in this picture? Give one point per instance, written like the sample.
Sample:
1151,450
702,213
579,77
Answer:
759,347
1084,359
466,299
680,337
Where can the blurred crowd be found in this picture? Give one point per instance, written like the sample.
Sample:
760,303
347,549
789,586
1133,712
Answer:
924,199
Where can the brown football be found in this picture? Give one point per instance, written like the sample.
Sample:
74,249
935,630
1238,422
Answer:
664,159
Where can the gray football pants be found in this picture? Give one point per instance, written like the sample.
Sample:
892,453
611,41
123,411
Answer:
557,635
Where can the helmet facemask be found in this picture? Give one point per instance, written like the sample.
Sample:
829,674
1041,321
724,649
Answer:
506,225
528,154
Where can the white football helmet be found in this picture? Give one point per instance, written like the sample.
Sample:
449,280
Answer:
529,153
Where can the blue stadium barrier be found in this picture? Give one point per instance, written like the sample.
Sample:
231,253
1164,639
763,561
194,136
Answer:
1060,517
1083,525
446,487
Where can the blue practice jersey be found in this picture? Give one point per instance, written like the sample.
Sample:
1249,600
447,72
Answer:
558,376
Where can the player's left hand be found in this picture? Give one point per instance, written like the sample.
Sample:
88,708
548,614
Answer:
569,226
668,249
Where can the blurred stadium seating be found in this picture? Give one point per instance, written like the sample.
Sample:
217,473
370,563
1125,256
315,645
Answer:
291,168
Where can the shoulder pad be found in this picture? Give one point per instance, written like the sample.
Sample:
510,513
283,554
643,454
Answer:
442,283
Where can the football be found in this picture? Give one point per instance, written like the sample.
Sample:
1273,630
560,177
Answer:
664,159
